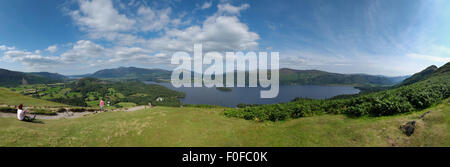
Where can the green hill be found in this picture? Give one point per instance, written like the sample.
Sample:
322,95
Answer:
287,76
54,76
14,78
133,73
8,97
88,92
316,77
419,76
443,70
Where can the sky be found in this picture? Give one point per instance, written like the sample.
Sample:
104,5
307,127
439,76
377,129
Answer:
379,37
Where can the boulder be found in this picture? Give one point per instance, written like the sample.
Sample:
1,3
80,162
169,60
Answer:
408,128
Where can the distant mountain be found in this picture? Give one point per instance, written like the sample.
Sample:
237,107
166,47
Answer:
14,78
50,75
419,76
398,79
287,76
78,76
316,77
133,73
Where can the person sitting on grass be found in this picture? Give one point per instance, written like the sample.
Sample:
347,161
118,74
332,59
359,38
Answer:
21,114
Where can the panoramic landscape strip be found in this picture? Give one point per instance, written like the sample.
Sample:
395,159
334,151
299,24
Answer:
137,114
224,82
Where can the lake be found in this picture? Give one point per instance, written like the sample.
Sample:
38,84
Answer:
247,95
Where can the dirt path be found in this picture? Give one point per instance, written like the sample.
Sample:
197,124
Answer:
137,108
47,117
73,114
131,109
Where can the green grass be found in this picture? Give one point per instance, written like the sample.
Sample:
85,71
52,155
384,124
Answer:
125,105
8,97
188,126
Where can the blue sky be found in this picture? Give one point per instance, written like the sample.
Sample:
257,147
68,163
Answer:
347,36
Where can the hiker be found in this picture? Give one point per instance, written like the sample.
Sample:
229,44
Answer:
102,103
21,114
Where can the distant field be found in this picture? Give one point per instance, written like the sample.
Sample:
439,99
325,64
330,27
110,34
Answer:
168,126
12,98
125,105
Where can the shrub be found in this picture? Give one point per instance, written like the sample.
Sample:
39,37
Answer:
82,109
77,109
43,112
61,110
8,110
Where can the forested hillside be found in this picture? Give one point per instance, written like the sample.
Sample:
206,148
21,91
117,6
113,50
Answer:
316,77
13,78
133,73
89,91
420,75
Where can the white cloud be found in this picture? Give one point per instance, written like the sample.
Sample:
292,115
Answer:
88,53
310,60
4,47
82,51
29,59
206,5
429,57
84,54
100,16
38,61
153,20
217,33
230,9
52,48
128,54
16,53
222,31
101,20
440,49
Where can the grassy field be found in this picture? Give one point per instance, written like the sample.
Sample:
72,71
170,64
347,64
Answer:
188,126
13,98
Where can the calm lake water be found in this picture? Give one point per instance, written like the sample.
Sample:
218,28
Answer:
252,95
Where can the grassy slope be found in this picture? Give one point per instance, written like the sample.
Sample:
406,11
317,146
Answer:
166,126
14,78
12,98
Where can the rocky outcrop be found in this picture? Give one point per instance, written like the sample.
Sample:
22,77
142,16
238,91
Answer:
408,128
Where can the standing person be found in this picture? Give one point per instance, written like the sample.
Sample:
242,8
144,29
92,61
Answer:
21,114
102,103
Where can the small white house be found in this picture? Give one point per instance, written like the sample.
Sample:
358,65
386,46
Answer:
159,99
